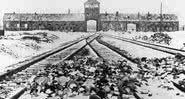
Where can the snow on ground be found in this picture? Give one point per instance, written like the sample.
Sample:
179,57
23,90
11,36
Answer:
177,37
14,49
17,46
159,88
136,50
161,92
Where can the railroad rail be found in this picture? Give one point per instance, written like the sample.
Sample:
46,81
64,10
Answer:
69,52
119,52
164,49
25,64
123,54
29,68
96,52
161,48
88,42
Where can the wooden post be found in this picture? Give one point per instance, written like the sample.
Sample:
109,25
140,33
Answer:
161,17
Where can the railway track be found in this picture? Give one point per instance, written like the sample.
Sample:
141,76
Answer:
110,53
137,95
24,64
117,50
100,50
165,49
16,79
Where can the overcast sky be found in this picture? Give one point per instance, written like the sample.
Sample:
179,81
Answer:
124,6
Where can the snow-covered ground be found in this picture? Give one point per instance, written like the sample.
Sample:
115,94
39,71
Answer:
20,45
157,87
177,37
14,48
136,50
161,92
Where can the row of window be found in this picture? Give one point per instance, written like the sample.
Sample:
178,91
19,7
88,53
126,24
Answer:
26,25
73,27
17,25
92,6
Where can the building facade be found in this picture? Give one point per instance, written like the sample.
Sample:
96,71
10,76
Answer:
78,22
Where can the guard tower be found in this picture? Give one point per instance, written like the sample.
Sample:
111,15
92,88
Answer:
92,12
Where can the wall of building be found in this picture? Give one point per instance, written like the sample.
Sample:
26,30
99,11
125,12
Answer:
155,26
81,26
75,26
140,25
113,25
78,22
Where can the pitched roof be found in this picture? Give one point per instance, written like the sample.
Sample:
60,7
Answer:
92,2
43,17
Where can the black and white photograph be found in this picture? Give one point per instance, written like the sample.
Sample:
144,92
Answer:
92,49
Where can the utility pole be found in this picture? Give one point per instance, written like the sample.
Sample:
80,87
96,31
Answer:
20,22
139,21
117,22
161,17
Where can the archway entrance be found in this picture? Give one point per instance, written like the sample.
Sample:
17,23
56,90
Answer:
131,27
91,25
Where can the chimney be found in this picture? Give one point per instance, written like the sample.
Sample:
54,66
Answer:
138,15
117,13
106,14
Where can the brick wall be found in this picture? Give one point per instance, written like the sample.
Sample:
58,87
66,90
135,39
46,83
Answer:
78,26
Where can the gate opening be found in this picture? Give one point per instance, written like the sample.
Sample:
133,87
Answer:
91,26
131,27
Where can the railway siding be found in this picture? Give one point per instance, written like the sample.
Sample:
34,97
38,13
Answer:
165,49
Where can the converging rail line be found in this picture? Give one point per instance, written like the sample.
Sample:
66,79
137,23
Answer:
98,46
23,65
161,48
117,50
101,52
112,51
29,68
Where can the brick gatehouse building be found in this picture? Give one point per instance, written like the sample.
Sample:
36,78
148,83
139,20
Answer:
78,22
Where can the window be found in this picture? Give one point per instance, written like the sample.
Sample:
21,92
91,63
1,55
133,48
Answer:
18,25
91,6
175,28
26,25
7,25
170,28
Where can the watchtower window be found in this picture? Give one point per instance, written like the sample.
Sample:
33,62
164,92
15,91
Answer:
92,6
